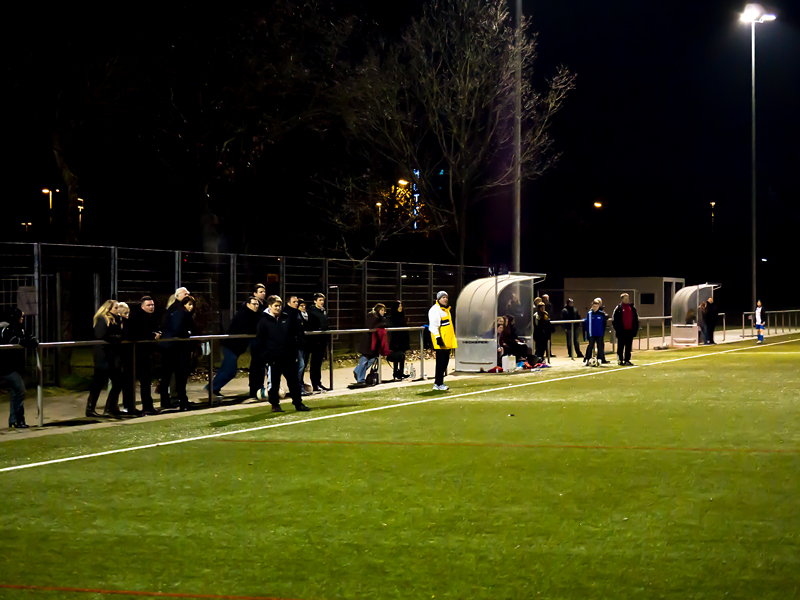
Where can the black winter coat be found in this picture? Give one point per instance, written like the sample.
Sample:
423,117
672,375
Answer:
542,328
278,336
141,325
711,314
245,321
180,324
616,320
374,321
570,313
107,356
13,361
399,341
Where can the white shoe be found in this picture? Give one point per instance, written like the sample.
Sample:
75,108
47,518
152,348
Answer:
441,388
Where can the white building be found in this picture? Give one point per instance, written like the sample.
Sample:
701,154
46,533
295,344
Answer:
652,296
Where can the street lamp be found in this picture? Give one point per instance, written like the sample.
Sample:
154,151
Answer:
598,205
403,183
754,13
80,215
713,204
26,225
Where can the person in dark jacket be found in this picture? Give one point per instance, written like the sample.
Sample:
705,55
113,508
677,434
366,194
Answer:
244,322
107,364
173,304
366,347
513,344
570,313
625,320
126,362
551,314
709,316
280,338
143,326
542,330
177,356
317,345
12,365
399,341
257,374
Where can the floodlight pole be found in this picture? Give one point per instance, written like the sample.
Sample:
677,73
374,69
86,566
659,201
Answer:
517,217
753,174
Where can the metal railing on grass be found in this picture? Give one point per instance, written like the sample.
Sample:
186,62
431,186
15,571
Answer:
210,339
771,319
613,338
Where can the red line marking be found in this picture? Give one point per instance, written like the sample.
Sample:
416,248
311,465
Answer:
497,445
38,588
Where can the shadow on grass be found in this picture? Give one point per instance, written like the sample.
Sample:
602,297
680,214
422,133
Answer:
268,414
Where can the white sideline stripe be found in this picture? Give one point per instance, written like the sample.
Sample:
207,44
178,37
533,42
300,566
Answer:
367,410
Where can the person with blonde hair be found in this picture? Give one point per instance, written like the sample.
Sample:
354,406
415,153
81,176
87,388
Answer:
107,363
177,356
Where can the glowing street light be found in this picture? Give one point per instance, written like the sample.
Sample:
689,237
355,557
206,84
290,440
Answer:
754,13
26,225
598,205
403,182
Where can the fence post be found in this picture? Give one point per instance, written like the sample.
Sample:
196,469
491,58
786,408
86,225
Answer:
37,275
648,335
177,269
39,383
325,276
364,294
743,322
572,350
783,322
114,271
282,282
233,288
211,372
421,355
430,284
380,366
330,358
752,323
663,331
133,373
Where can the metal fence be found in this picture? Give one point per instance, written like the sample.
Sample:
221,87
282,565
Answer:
61,285
783,321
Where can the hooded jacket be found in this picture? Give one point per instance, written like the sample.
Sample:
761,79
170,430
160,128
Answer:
278,336
245,321
440,324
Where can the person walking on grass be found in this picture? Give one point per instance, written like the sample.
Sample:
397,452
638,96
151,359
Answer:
278,333
595,327
244,322
443,337
760,318
570,313
625,320
106,361
12,365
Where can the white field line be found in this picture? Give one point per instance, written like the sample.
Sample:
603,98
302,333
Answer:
198,438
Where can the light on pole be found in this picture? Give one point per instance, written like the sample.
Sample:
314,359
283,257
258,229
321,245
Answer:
754,13
713,204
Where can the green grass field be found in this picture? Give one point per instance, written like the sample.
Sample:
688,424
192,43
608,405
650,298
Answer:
674,479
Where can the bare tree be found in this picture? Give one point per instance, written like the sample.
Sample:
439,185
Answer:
441,102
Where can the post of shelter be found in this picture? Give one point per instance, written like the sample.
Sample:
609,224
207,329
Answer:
330,353
723,327
663,330
572,348
133,373
379,369
648,334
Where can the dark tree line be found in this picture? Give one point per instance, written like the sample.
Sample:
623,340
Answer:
215,96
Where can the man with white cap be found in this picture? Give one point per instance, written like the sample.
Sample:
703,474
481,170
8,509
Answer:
443,337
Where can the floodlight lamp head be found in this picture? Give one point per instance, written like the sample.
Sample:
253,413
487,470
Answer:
754,13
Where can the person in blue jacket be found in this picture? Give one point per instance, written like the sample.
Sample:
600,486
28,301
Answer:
595,326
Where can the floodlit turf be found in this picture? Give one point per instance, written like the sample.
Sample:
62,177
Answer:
676,480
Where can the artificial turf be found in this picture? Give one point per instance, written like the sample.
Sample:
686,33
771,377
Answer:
676,480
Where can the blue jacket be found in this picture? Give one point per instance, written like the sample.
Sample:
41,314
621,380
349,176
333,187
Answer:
595,323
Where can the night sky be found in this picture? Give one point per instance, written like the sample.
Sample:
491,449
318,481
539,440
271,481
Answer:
657,128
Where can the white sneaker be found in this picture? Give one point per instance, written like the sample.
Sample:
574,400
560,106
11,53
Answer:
441,388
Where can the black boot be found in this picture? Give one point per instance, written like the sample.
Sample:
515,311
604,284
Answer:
91,404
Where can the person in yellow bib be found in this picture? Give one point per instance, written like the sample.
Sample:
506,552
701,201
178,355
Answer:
443,336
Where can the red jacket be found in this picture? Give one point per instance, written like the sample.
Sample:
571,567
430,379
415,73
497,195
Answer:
379,338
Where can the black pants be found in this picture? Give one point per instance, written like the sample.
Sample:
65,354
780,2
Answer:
178,361
144,374
442,360
100,382
398,359
314,359
573,342
600,342
286,367
258,371
541,348
624,345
